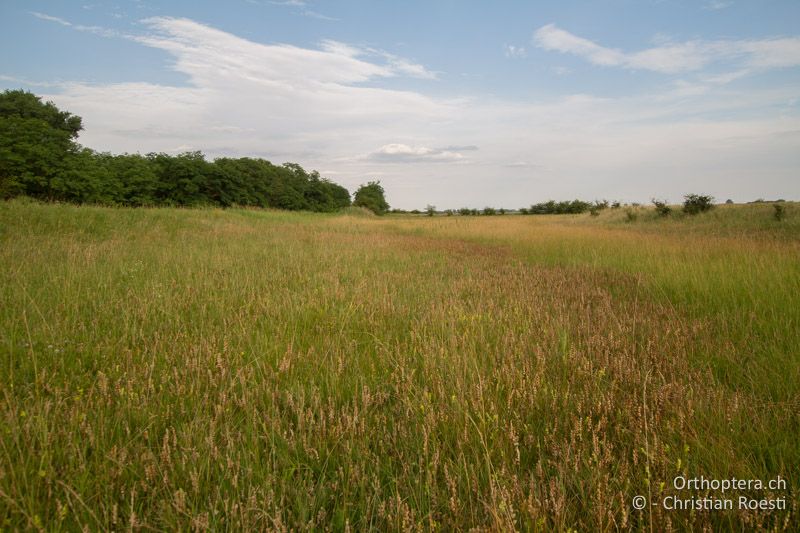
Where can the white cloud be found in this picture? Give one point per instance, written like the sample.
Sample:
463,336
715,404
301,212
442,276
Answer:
403,153
770,53
520,164
550,37
203,51
672,58
716,5
514,51
290,100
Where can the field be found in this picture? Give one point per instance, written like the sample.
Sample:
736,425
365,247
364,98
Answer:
168,369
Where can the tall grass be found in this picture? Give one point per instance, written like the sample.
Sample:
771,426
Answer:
207,369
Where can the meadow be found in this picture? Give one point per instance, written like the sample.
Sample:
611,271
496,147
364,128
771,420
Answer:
237,369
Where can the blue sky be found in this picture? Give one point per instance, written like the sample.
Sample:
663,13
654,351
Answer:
448,103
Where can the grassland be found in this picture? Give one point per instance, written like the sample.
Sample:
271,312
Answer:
165,369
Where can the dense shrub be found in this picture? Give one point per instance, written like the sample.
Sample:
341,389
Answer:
552,207
662,208
697,203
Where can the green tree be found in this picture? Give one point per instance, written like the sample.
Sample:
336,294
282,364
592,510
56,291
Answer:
182,179
372,197
36,143
136,178
87,178
25,105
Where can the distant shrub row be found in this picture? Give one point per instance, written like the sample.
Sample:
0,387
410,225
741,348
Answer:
574,207
692,205
547,208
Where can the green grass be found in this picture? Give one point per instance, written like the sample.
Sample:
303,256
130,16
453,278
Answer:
248,370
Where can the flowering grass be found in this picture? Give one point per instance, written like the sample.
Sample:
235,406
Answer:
205,369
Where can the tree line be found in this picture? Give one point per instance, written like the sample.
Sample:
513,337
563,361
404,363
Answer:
40,158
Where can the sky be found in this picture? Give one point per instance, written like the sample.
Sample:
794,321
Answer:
449,103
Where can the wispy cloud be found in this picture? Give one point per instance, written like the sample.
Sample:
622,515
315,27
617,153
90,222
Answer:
404,153
50,18
520,164
30,83
514,51
716,5
301,6
673,58
395,64
97,30
316,15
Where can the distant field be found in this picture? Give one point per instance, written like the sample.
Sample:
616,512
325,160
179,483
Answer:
168,369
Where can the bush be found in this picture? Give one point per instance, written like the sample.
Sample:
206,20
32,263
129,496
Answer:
697,203
662,208
372,197
489,211
630,215
780,212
